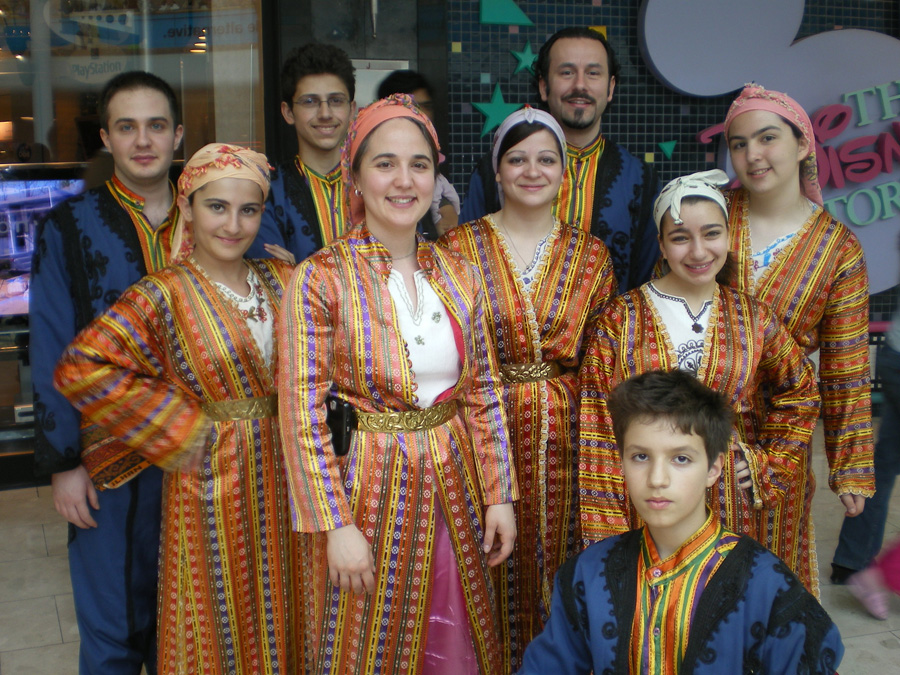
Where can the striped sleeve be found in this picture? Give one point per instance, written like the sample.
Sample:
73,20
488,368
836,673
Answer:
306,345
113,373
604,505
844,373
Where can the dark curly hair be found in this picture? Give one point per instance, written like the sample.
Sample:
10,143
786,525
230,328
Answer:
316,59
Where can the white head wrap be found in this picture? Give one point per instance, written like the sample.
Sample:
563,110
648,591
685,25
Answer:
530,115
701,184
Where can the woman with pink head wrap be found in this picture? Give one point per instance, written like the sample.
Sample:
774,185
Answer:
408,501
181,369
809,268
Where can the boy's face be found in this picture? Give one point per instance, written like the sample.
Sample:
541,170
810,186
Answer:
666,474
142,137
320,113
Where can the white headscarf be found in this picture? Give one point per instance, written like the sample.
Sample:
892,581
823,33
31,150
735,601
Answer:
521,116
701,184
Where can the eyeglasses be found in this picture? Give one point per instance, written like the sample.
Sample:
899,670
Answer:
336,102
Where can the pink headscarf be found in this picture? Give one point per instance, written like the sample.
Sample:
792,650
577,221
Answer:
756,97
394,106
210,163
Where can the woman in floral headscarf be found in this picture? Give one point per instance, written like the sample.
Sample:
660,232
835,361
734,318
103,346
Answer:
547,282
407,522
181,369
809,269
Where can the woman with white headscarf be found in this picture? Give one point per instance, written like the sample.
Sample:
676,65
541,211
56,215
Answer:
181,369
691,319
547,283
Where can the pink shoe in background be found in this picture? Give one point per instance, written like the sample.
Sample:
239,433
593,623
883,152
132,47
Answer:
867,587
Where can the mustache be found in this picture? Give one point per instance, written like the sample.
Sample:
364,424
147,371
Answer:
579,94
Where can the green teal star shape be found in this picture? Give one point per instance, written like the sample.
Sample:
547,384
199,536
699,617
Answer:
526,59
496,111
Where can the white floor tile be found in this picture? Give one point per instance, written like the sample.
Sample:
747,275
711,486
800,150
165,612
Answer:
28,623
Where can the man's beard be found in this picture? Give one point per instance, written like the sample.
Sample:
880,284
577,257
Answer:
579,119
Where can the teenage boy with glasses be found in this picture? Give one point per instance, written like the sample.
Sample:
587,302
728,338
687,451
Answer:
306,206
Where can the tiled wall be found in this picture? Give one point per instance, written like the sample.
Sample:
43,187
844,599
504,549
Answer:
643,112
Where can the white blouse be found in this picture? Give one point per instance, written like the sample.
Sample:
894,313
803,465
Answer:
686,329
428,335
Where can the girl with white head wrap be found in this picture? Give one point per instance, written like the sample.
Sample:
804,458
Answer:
690,319
703,184
547,282
532,117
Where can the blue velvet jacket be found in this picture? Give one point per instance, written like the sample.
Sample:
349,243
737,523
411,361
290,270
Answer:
87,252
290,219
753,617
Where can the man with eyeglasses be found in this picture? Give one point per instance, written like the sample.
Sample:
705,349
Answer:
306,207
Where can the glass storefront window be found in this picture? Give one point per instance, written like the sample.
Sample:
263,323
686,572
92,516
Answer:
56,55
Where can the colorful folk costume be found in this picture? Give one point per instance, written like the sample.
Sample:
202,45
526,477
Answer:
420,468
737,347
177,363
815,281
304,212
606,191
721,604
538,318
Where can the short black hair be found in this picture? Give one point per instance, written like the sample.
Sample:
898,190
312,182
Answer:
403,82
316,59
136,79
522,131
677,397
543,60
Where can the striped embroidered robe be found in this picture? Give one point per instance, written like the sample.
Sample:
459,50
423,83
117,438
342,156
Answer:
746,349
543,323
339,334
229,592
819,287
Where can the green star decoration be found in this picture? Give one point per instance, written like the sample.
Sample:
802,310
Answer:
526,59
496,111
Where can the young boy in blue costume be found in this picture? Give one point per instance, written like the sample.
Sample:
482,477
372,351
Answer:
682,594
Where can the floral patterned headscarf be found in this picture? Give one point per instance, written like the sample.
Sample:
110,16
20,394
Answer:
210,163
757,97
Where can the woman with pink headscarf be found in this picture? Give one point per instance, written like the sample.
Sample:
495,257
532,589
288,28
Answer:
181,369
408,493
809,268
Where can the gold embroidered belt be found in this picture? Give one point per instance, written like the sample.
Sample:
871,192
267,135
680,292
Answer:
407,420
242,408
513,373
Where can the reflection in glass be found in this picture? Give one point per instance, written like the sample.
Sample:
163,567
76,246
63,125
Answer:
56,55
